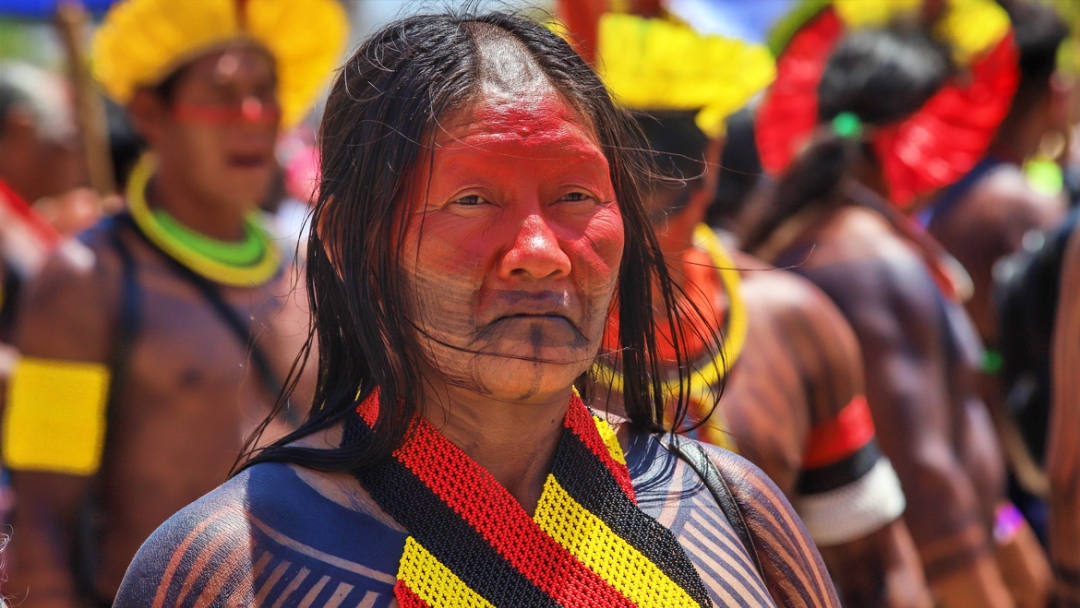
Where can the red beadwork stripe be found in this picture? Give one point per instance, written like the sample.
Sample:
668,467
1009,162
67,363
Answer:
840,436
500,520
579,420
406,598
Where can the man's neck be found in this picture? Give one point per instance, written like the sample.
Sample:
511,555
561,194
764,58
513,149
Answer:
514,442
170,192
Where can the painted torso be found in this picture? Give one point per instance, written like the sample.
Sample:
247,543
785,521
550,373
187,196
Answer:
785,384
853,250
188,396
282,535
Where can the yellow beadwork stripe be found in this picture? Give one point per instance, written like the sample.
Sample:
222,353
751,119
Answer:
55,416
589,539
257,274
433,582
611,440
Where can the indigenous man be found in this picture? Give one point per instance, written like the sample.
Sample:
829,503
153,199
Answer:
146,365
38,158
832,219
477,219
793,393
986,215
1063,454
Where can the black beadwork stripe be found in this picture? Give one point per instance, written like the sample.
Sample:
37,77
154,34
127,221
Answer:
446,535
839,474
588,481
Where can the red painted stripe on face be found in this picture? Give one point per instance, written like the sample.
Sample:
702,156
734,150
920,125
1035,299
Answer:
486,506
841,436
580,422
251,110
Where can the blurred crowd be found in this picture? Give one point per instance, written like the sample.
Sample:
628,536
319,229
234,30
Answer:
873,204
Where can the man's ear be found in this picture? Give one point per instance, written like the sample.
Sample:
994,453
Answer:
148,114
705,191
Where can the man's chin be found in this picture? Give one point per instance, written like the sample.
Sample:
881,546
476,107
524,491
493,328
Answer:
524,380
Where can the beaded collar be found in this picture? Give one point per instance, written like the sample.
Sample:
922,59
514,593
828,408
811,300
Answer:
251,262
471,544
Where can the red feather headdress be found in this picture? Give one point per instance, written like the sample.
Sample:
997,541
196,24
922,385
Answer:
930,149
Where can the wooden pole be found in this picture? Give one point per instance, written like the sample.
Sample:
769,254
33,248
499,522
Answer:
71,22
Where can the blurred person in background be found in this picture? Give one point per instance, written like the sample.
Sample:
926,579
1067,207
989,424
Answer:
986,216
792,388
40,161
840,123
145,365
1063,447
40,170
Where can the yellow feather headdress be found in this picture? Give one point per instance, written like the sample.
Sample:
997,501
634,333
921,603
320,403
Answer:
143,41
654,64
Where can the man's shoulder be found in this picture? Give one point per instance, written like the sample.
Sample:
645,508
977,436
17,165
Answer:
267,535
1006,195
859,240
994,215
785,295
672,492
862,264
68,307
661,477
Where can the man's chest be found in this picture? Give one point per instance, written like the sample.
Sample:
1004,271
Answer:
186,377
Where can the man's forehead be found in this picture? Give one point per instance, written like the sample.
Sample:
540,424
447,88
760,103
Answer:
228,64
538,114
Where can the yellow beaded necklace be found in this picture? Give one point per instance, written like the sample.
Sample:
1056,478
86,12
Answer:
252,262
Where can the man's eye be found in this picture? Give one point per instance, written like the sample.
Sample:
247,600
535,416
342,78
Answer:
471,200
574,197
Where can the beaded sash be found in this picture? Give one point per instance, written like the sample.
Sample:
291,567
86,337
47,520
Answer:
471,544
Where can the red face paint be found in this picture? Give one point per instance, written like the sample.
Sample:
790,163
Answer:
514,252
250,110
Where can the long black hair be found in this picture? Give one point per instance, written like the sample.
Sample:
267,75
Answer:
380,118
880,76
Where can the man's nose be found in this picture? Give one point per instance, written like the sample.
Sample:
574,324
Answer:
535,253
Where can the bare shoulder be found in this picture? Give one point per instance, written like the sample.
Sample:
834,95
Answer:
868,270
787,296
795,572
669,490
68,307
1004,201
270,535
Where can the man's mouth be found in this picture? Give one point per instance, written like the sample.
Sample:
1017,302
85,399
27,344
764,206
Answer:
247,161
536,317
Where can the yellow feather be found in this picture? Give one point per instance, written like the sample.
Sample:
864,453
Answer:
653,64
141,42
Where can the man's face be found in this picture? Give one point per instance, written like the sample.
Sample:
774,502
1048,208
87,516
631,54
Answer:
40,155
513,253
218,129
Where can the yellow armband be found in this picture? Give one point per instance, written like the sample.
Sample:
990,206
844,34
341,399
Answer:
54,420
